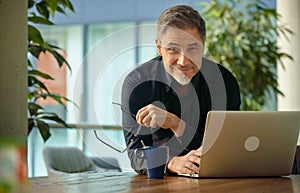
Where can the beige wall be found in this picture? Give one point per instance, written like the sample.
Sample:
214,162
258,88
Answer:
13,64
289,79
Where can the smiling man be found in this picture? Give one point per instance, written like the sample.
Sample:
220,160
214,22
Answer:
167,98
182,53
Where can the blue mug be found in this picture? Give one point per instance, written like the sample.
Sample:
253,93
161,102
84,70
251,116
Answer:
156,157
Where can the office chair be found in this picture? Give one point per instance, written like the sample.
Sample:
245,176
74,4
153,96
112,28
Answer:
59,160
107,163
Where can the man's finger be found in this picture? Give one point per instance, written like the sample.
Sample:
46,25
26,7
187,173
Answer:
192,168
194,159
141,115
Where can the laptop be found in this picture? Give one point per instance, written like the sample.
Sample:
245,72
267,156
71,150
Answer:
249,144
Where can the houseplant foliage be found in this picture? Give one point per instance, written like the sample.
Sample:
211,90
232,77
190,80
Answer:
39,13
241,35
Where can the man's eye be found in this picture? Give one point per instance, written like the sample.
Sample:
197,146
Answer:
193,49
173,49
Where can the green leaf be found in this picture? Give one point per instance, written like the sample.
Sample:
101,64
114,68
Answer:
54,47
29,63
57,119
44,129
33,81
35,49
42,9
34,35
60,59
34,108
39,20
59,99
30,4
30,124
33,95
52,6
41,74
61,10
67,4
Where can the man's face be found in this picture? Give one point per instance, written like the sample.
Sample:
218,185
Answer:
182,52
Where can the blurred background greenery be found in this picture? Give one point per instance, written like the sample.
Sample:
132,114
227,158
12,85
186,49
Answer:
242,35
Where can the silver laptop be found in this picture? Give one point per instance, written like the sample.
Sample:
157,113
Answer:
249,143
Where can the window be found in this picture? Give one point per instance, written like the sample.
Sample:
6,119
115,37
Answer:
113,49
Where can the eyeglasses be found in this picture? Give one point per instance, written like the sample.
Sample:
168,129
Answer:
124,109
131,142
129,145
114,148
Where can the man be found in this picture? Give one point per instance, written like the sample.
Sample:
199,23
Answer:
165,100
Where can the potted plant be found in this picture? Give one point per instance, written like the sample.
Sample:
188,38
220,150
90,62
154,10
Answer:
242,35
39,13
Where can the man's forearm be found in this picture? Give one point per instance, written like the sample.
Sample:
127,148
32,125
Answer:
179,126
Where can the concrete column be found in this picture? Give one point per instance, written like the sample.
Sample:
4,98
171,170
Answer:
289,79
13,96
13,69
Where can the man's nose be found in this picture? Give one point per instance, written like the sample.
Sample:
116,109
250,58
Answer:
183,59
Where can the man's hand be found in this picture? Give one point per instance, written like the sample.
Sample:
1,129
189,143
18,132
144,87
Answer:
187,164
153,116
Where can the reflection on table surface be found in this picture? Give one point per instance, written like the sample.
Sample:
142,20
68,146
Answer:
92,182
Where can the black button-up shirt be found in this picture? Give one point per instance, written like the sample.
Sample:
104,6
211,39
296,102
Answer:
212,88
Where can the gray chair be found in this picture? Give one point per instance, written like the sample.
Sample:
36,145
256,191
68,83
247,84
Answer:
107,163
59,160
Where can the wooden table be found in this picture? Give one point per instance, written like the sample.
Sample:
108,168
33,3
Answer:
131,182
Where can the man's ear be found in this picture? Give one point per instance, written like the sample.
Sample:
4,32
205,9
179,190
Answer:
158,46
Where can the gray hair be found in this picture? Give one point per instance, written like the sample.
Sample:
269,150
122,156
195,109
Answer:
181,17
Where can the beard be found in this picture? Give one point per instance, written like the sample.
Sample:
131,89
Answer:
182,79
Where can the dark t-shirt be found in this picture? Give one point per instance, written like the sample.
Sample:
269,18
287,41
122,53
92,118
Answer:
212,88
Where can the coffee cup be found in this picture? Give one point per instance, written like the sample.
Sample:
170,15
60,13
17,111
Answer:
156,157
